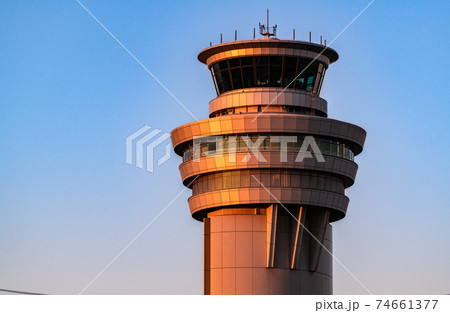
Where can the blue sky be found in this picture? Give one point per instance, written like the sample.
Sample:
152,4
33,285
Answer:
70,95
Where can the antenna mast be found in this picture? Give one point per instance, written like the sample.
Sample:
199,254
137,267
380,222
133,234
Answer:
265,30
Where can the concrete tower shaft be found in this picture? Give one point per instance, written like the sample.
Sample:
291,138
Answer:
266,212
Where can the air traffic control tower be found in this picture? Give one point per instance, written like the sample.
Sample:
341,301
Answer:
267,214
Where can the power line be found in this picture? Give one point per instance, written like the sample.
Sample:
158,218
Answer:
20,292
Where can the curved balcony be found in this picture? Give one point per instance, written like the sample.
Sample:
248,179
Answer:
255,197
217,145
293,124
342,168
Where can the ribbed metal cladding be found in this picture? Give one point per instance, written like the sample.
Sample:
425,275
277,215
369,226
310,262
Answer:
266,221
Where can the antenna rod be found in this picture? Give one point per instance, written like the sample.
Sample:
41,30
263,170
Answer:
220,37
293,35
253,33
309,36
268,23
235,34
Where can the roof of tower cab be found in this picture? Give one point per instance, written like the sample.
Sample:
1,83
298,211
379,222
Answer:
262,43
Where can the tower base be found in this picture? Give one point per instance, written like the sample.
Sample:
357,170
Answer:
261,251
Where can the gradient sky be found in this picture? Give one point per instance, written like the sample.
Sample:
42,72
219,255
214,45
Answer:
70,95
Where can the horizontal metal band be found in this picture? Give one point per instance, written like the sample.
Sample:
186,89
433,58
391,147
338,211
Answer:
269,123
267,96
204,203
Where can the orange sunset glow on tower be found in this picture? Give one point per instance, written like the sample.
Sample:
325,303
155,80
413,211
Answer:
268,169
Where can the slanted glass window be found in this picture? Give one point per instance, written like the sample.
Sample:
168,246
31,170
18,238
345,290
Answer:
226,80
307,72
248,74
247,61
234,62
237,78
223,65
319,76
268,71
261,60
218,78
309,83
289,71
215,81
321,80
262,76
262,71
276,63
